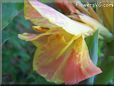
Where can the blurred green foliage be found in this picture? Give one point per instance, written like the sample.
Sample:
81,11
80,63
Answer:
17,55
12,10
92,43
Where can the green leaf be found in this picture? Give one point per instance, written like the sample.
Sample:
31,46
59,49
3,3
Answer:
9,11
92,43
16,26
47,1
107,67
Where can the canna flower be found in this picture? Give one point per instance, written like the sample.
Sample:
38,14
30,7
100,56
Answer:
61,54
86,15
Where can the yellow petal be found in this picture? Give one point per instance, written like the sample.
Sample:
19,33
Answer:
40,29
65,68
57,18
95,25
31,14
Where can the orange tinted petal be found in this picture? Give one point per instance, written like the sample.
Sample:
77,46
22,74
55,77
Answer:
66,6
45,61
35,17
29,11
79,66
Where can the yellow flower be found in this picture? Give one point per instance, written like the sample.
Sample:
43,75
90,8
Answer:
62,55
